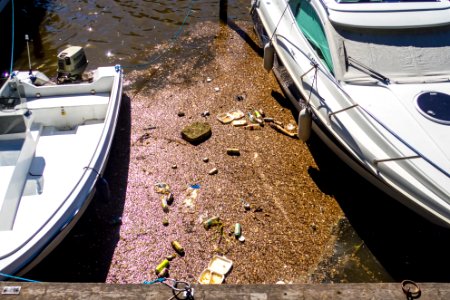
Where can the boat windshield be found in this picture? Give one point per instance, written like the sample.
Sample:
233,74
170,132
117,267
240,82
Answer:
403,54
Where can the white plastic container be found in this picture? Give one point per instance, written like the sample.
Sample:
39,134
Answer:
218,267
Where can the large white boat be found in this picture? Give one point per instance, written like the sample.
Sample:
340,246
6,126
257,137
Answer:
374,77
54,144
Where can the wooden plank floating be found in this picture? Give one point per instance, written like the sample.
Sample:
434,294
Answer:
348,291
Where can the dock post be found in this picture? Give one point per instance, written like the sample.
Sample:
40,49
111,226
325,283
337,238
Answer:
223,8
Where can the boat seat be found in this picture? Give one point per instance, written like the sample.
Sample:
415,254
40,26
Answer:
16,152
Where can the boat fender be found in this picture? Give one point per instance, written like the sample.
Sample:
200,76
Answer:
269,52
103,189
304,124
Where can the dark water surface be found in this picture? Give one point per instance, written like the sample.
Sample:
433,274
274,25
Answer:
111,32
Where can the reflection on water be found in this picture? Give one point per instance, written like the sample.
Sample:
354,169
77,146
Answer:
120,31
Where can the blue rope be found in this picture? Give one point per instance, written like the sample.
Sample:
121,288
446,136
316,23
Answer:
16,277
12,38
158,280
172,39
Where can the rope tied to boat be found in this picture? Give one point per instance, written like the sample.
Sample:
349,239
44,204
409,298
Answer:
181,290
16,277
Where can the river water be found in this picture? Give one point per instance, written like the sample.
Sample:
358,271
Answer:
111,32
127,32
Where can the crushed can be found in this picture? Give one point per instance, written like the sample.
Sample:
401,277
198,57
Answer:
164,205
233,152
237,230
211,222
178,248
164,264
169,198
164,273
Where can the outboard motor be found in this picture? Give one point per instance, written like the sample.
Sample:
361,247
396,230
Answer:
71,64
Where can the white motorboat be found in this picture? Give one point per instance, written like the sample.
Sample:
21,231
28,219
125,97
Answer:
54,144
374,77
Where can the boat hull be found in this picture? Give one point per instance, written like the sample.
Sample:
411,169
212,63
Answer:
98,112
322,123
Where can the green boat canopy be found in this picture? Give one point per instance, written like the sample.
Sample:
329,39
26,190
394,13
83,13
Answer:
309,24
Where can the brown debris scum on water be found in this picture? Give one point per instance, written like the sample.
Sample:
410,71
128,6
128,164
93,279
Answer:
286,220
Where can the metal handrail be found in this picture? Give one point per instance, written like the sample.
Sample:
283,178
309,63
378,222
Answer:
354,105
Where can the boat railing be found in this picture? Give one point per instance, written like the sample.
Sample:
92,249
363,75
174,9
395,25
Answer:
385,127
316,66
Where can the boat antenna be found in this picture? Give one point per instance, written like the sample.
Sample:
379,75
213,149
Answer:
12,39
28,50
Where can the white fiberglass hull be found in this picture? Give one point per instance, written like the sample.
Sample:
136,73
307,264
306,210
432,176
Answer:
391,145
69,132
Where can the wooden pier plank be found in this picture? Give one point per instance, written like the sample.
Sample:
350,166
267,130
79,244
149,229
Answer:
360,291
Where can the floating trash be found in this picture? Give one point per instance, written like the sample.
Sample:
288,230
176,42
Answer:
241,239
164,205
164,273
278,123
171,257
237,230
253,127
282,130
211,222
245,204
238,123
165,222
191,196
164,264
210,277
216,89
213,171
174,166
205,159
217,268
205,114
178,248
208,79
169,198
162,188
290,127
251,118
240,97
151,127
237,114
181,114
224,118
233,152
228,117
